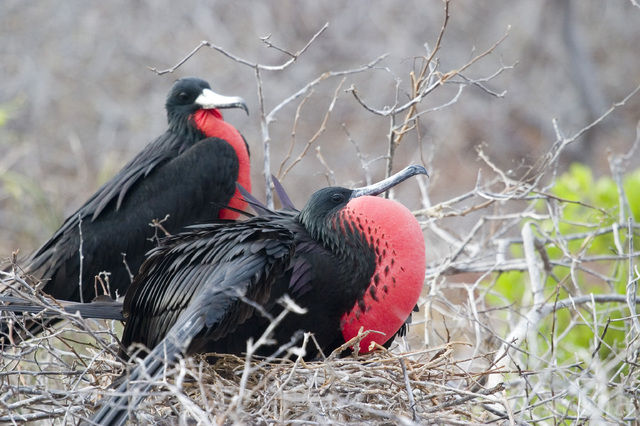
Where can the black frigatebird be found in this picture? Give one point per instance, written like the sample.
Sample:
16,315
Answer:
349,258
187,175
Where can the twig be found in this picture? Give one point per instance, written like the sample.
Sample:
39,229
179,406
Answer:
407,383
562,142
316,135
240,60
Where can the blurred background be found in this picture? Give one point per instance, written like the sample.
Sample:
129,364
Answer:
78,100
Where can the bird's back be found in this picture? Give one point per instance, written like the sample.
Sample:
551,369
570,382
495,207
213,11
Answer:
176,185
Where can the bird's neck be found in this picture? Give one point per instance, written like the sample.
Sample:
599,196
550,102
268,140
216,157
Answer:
184,128
211,123
356,259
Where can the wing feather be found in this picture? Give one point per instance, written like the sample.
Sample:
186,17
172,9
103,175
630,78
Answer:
190,188
211,273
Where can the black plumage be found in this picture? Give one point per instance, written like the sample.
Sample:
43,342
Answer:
217,285
259,259
187,175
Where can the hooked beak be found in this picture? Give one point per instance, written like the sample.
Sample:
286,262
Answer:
209,99
390,182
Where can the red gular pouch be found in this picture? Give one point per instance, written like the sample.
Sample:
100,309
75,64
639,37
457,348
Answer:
396,236
211,123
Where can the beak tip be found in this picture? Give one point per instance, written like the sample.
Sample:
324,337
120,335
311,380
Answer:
417,169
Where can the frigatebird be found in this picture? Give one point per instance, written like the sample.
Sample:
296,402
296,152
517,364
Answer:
348,258
187,175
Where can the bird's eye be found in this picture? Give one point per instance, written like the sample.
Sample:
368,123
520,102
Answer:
337,198
183,96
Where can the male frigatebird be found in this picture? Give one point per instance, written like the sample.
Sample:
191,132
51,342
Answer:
349,258
187,175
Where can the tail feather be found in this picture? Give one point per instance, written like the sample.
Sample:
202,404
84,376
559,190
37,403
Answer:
50,311
116,409
98,309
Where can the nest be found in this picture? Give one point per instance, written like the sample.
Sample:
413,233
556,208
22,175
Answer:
381,388
64,373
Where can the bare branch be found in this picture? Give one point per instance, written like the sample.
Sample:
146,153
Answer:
242,61
562,142
317,134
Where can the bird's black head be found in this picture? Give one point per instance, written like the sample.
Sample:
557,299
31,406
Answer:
321,215
327,219
317,214
188,95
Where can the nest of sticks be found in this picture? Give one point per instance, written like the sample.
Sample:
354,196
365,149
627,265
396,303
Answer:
63,374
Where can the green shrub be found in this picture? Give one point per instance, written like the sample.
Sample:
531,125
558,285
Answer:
586,205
